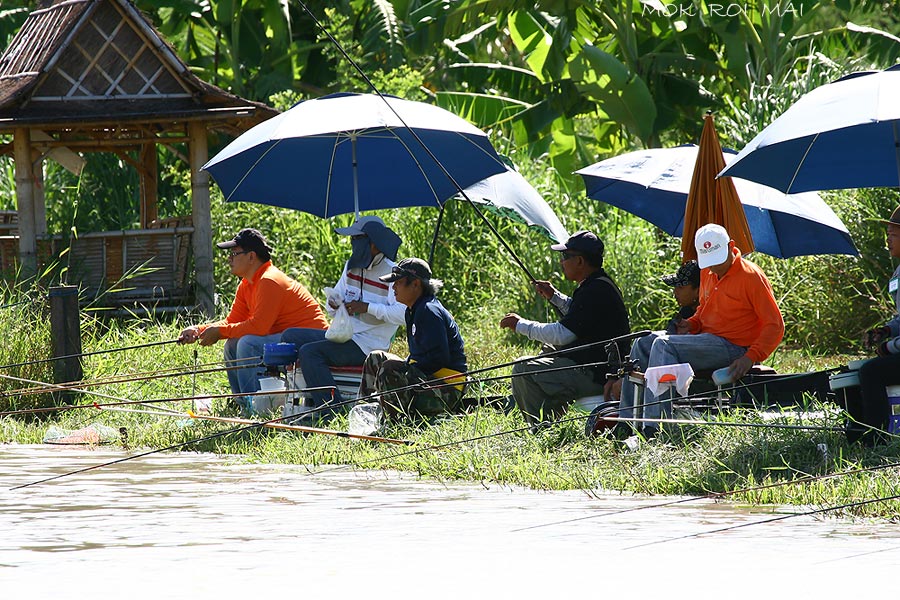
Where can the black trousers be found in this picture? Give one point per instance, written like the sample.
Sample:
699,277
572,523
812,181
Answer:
874,411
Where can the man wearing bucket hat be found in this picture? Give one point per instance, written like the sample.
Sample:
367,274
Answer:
436,350
737,324
878,373
266,303
595,312
374,311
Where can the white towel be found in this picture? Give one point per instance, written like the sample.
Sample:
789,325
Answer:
683,373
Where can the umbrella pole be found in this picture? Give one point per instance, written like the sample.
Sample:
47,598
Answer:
434,239
897,152
355,178
412,132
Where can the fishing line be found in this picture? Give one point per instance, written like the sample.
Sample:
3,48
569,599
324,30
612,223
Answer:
83,354
130,377
419,140
808,513
274,424
82,388
718,495
167,448
153,401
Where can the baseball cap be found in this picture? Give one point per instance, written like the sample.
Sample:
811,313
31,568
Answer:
895,218
687,274
357,227
248,239
711,242
408,267
582,241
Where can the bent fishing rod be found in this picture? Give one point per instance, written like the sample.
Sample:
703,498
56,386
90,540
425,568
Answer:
419,140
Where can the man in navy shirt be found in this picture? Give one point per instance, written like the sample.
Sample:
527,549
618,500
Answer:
436,350
594,313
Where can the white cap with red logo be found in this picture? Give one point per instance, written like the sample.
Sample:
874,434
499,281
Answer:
711,242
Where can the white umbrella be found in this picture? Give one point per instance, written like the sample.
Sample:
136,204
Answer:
511,195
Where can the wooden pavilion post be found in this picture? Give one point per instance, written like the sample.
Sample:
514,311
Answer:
25,200
149,185
203,261
40,201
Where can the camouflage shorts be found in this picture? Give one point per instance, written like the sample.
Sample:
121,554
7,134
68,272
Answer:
383,372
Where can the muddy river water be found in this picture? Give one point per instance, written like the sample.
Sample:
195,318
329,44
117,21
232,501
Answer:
202,526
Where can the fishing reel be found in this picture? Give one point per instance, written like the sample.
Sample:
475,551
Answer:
618,366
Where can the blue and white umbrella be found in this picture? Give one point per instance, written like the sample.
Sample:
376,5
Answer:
654,184
844,134
347,153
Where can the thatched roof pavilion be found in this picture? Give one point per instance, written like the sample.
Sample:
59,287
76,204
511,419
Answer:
95,76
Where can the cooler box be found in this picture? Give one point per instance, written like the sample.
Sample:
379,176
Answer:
893,396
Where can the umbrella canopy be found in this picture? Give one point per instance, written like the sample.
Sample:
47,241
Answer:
347,153
840,135
654,184
712,200
509,194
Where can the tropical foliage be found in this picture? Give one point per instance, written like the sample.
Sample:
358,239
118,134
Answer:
559,84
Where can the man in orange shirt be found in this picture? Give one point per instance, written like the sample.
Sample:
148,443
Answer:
737,324
267,302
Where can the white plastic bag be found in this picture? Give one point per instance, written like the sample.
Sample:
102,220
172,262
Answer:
341,329
365,419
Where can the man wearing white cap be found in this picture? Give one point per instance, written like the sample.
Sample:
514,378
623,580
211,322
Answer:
737,324
374,309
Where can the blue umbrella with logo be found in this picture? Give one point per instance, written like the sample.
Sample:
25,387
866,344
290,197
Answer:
654,184
844,134
347,153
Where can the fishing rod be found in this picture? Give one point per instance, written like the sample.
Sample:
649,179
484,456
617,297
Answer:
83,354
719,495
124,378
124,402
395,455
179,445
419,140
302,428
807,513
293,417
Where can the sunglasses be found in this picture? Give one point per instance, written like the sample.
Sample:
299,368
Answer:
233,254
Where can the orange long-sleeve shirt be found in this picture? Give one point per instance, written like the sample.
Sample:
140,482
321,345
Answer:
269,303
741,308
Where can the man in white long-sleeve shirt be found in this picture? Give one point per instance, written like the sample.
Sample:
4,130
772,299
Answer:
594,313
374,309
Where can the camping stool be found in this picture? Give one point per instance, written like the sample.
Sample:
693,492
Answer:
637,379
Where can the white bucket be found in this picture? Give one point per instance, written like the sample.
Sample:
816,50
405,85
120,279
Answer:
588,403
265,404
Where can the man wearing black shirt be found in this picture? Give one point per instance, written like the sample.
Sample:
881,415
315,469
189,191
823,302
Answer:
594,313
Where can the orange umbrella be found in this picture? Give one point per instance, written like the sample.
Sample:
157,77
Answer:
713,200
